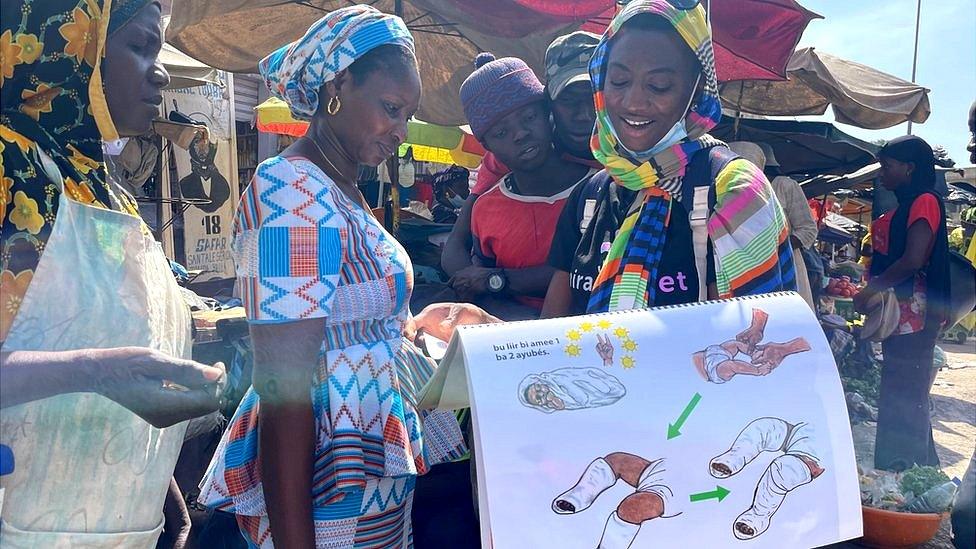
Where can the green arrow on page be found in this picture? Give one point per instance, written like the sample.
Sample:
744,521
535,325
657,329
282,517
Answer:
674,429
718,493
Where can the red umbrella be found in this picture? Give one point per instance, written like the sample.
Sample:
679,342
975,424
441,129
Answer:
517,18
753,38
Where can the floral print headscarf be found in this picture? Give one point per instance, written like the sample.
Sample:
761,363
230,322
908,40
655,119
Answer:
53,101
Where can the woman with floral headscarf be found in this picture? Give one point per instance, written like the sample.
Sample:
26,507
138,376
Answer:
94,330
628,238
325,447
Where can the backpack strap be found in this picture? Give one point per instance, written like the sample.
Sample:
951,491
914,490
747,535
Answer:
586,206
698,197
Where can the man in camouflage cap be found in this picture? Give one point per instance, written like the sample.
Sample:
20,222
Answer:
568,86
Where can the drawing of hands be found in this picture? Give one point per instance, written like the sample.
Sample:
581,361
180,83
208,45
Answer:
749,337
769,355
772,354
752,335
605,349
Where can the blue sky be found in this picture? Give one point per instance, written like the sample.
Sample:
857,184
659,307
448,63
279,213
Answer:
881,34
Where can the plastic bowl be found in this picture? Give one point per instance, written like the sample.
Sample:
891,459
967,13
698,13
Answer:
893,530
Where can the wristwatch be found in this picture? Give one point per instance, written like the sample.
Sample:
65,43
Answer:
497,281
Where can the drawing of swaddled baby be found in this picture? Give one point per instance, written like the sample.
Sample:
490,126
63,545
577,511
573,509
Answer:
570,389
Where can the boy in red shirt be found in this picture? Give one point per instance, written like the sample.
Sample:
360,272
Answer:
571,103
512,223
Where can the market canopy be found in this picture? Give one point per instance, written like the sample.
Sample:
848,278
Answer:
838,229
235,34
802,147
827,184
185,71
753,37
858,95
429,142
961,192
442,144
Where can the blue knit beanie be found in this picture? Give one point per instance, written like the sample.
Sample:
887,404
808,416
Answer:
496,88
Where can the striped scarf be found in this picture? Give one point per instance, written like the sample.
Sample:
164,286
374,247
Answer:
748,228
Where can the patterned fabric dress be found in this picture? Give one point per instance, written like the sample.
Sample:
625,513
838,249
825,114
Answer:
304,250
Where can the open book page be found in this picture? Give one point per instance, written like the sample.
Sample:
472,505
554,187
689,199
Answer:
706,425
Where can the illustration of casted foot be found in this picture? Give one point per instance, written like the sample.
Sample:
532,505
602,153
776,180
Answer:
720,363
650,500
797,466
570,389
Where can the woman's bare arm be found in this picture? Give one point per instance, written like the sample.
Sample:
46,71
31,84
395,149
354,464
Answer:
285,357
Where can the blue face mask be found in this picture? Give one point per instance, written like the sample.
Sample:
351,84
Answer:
676,134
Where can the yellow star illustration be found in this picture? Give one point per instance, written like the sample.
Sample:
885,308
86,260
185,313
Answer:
629,345
573,350
627,362
621,333
604,324
574,335
587,326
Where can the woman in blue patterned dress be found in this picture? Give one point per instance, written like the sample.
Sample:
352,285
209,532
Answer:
325,447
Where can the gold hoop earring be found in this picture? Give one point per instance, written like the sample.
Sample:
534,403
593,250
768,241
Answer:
334,105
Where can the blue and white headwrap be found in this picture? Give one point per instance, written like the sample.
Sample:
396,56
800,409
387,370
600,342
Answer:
295,72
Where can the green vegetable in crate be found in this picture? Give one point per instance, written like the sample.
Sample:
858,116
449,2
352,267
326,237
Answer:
918,480
850,270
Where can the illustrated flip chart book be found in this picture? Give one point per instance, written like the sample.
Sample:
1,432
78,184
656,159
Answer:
719,424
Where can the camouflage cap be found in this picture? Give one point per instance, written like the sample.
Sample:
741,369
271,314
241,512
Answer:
568,59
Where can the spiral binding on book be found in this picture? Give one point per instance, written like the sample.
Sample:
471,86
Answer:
659,308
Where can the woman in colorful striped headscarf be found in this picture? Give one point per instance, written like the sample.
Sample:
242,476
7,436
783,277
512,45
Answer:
325,447
628,238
